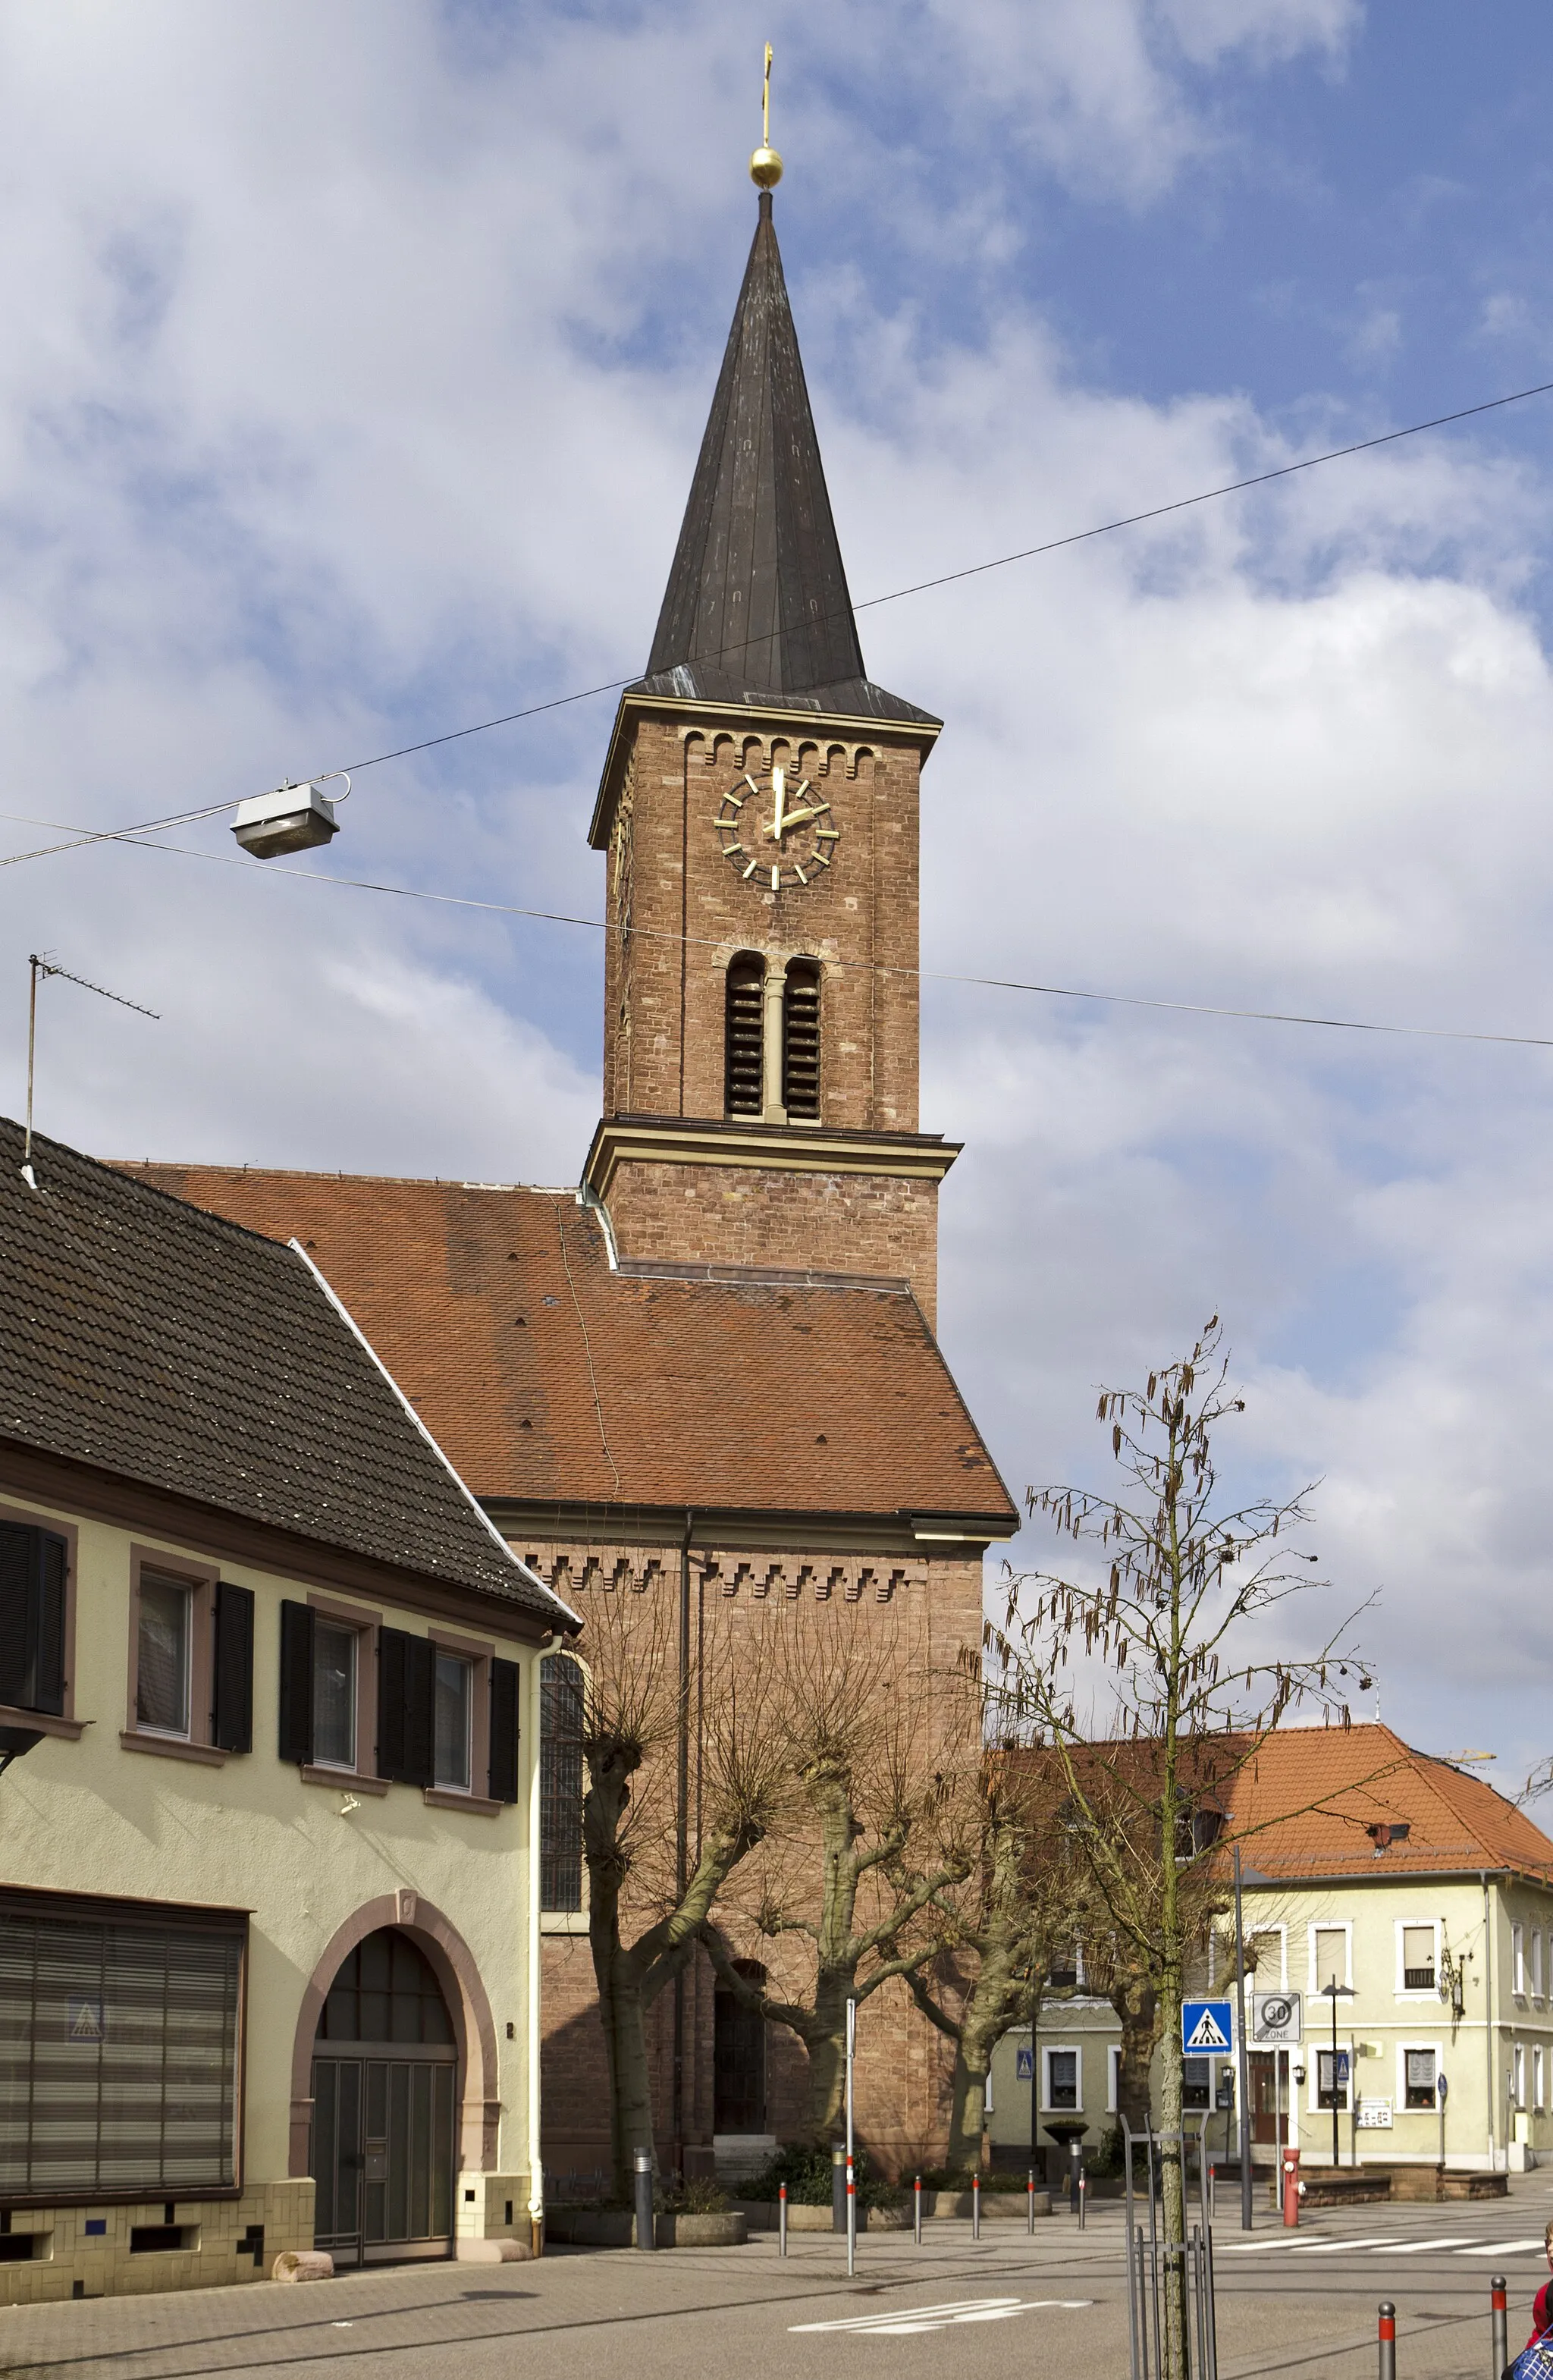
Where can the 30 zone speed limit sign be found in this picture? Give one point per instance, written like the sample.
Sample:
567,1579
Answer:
1275,2020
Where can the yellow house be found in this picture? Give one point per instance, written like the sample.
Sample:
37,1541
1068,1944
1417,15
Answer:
270,1686
1403,1912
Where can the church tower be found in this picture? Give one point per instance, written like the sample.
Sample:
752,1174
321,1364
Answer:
758,816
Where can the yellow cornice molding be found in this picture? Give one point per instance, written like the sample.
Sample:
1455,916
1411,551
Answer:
921,733
761,1148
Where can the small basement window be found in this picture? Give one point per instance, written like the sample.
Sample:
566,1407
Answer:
160,2238
16,2247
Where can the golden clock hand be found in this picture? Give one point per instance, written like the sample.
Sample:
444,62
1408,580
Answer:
779,788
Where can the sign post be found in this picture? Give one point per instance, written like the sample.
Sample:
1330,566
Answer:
1242,2070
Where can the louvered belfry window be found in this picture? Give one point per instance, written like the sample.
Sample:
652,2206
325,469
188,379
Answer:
747,976
800,1040
118,2048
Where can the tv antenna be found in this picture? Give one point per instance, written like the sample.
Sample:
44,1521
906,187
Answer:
43,967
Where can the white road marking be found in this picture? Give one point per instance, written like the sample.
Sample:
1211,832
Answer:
907,2322
1341,2247
1256,2247
1422,2247
1505,2248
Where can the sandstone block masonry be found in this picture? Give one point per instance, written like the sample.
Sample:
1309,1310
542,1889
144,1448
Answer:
830,1223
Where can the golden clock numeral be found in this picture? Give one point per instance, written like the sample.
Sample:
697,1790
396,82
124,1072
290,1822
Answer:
749,871
776,880
753,787
826,834
730,848
802,791
799,873
822,859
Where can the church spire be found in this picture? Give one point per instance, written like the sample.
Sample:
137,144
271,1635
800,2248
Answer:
758,597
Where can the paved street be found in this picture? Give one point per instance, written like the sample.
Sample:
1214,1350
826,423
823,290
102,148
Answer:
1051,2308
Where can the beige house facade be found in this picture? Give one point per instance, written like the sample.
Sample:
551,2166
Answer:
1426,1898
269,1916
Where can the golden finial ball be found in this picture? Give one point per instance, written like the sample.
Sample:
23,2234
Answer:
765,169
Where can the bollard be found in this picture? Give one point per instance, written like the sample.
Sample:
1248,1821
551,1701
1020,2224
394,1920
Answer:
781,2219
642,2161
975,2206
1388,2340
1290,2190
838,2186
917,2211
1499,2301
1076,2169
1030,2203
1083,2197
851,2218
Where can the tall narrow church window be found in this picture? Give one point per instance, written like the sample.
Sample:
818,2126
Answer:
800,1040
561,1782
747,976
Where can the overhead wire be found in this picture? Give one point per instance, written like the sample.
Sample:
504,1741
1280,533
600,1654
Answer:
868,603
859,966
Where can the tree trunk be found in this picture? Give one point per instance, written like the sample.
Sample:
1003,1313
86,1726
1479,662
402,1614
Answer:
967,2112
1136,2004
624,2018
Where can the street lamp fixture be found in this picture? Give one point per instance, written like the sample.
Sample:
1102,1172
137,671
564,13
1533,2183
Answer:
1335,1992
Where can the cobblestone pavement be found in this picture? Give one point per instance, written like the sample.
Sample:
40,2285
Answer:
1053,2305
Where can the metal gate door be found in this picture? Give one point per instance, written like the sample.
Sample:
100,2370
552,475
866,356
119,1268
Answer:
382,2156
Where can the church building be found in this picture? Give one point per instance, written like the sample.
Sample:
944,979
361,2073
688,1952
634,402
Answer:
711,1370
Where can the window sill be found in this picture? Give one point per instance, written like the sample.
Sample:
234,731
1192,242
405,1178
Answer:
563,1920
344,1780
439,1797
46,1723
173,1747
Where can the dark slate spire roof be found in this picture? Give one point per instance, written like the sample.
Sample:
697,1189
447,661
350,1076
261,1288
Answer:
756,608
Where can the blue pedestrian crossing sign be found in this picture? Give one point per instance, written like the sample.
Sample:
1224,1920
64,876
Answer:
1206,2026
1023,2066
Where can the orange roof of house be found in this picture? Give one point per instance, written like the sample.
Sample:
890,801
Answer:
549,1378
1301,1805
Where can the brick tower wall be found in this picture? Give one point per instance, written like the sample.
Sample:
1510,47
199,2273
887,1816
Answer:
682,914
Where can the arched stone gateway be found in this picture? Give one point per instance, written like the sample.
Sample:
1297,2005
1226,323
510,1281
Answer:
393,2082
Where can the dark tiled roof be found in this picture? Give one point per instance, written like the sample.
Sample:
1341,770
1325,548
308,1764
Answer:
548,1378
756,608
159,1344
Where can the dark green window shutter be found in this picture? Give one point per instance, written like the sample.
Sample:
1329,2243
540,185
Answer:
297,1683
231,1670
504,1676
33,1582
405,1666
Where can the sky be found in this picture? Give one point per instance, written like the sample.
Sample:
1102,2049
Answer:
356,360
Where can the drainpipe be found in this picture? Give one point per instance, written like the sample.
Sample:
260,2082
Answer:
1488,2024
682,1832
536,2170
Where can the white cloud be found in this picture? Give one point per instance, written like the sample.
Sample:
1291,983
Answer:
361,377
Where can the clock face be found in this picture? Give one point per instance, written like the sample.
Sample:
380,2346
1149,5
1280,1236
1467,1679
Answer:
777,835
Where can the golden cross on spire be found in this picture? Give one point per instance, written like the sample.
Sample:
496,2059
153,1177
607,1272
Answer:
765,167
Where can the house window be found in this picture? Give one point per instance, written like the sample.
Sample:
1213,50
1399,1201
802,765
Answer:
119,2021
334,1680
1518,2075
1328,1955
190,1659
452,1729
1418,1958
1536,1963
562,1714
166,1626
1418,2078
1539,2081
800,1040
1113,2079
35,1570
1329,2094
1518,1958
1062,2080
744,1035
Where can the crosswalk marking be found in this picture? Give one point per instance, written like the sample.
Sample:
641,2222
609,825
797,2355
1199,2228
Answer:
907,2322
1342,2247
1422,2247
1506,2248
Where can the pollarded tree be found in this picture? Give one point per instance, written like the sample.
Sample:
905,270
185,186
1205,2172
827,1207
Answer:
634,1704
1178,1624
876,1748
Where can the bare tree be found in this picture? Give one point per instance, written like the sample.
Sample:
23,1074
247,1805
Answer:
631,1717
1013,1907
1177,1611
862,1855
